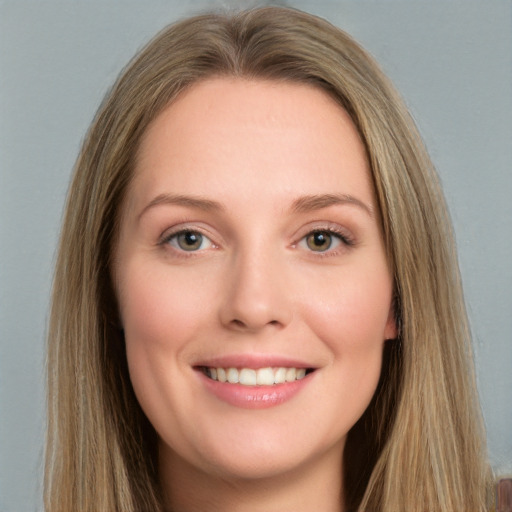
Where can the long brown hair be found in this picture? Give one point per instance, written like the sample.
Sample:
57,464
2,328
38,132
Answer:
420,445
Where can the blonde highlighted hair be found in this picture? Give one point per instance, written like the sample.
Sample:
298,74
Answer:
420,445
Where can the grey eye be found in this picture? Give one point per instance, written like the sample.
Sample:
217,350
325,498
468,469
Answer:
189,241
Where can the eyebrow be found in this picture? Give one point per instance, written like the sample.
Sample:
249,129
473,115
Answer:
197,202
303,204
317,202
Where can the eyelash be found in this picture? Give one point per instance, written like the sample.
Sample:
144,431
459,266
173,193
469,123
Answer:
168,237
345,239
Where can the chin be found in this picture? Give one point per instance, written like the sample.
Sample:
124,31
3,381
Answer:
258,454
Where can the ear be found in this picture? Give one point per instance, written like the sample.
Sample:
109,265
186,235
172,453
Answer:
391,329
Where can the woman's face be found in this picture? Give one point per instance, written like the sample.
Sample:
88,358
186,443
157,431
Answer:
252,280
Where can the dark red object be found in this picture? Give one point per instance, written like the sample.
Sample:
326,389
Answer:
504,495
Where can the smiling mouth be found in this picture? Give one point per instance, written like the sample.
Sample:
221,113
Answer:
255,377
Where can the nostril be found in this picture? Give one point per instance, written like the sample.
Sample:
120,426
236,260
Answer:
236,323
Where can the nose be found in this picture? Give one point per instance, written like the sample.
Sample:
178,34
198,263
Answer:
256,294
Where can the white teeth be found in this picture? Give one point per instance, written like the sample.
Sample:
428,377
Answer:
247,377
259,377
265,377
221,375
291,373
232,375
280,376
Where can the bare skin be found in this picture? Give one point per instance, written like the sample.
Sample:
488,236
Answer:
250,245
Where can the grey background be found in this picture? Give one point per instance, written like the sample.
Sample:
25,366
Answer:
452,61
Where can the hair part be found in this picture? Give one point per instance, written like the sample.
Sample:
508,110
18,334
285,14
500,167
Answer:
420,445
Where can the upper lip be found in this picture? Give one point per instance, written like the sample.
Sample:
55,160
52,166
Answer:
253,361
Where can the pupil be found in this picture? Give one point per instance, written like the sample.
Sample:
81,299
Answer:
189,240
319,241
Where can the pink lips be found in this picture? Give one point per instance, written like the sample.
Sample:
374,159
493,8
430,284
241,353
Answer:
252,361
253,397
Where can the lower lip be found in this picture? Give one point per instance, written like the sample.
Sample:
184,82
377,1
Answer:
254,397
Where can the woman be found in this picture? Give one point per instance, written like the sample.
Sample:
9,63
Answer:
257,304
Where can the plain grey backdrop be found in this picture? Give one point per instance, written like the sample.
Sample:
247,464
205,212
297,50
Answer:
451,60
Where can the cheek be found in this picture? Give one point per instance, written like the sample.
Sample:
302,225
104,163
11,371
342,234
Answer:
350,317
159,313
351,313
159,308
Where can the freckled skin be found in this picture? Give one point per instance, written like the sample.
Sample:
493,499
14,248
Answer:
255,285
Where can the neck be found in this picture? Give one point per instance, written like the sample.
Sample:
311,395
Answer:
315,486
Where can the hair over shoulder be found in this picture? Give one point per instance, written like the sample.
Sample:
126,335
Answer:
420,445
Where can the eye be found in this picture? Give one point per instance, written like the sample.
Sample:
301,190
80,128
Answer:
321,241
324,240
189,241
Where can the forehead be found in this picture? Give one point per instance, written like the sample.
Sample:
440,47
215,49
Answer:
233,130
